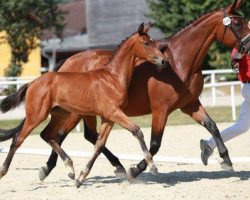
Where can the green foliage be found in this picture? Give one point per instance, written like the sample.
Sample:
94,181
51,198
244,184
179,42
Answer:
23,21
169,15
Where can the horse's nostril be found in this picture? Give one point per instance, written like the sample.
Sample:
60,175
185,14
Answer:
164,63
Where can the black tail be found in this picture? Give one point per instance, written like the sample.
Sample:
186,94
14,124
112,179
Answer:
13,100
59,64
8,134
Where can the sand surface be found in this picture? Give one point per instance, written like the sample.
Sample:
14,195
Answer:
174,181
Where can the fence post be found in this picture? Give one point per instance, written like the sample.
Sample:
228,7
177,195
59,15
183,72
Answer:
213,88
233,103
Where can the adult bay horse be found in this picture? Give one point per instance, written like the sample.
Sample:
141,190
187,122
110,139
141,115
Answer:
160,94
101,92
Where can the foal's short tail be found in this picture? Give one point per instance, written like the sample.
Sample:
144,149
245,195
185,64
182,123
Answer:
8,134
13,100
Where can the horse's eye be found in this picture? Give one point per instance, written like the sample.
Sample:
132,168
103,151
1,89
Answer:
146,44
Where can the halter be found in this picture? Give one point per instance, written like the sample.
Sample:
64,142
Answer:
244,47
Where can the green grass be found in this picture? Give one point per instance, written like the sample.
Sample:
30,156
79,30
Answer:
218,114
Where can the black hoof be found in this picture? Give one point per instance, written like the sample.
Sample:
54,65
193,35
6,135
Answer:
43,173
154,170
133,172
226,167
120,173
3,171
78,184
71,176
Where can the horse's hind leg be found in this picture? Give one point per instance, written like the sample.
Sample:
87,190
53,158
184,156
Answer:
198,113
91,134
61,126
159,119
105,129
50,136
29,125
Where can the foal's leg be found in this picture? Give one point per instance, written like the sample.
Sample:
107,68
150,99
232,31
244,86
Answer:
198,113
91,134
29,124
159,119
61,126
105,129
50,136
120,118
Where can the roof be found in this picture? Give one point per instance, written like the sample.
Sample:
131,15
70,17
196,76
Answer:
110,21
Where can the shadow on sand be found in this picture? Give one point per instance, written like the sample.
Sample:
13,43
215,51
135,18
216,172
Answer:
172,178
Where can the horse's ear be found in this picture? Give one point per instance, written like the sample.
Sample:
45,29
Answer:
141,29
236,5
147,27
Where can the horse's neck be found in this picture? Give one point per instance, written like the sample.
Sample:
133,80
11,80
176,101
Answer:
190,46
122,64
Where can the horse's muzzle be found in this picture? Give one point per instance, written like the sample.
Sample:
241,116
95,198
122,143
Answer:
245,45
161,63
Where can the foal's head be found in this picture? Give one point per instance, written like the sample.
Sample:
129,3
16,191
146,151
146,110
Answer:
145,47
233,30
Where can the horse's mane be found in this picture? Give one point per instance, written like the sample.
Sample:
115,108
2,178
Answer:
185,25
118,47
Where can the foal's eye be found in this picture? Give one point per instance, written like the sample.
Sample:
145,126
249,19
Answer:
146,44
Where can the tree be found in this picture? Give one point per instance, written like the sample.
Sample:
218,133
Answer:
168,15
22,22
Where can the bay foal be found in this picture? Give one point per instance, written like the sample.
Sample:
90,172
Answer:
101,92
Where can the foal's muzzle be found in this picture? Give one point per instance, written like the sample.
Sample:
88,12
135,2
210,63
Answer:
161,63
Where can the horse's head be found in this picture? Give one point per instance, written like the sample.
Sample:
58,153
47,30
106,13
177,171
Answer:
145,48
233,30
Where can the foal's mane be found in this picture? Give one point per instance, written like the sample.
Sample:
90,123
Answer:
118,47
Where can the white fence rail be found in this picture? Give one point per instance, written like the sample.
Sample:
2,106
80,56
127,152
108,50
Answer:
19,81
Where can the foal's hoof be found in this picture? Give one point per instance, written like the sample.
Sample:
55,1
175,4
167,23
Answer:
120,173
71,176
153,170
226,167
2,172
78,184
43,173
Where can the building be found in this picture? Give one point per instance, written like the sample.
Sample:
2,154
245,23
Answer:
101,24
31,68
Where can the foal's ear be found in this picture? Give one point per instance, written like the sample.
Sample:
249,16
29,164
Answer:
141,29
236,5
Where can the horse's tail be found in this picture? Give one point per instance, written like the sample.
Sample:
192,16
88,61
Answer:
8,134
59,64
13,100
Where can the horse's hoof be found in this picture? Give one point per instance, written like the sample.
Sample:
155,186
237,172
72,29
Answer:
43,173
153,170
78,184
2,172
71,176
226,167
130,176
120,173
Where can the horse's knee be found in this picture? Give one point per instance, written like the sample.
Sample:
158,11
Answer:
138,133
210,125
154,147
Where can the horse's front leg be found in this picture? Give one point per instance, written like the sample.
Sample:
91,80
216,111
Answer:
198,113
159,119
91,134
